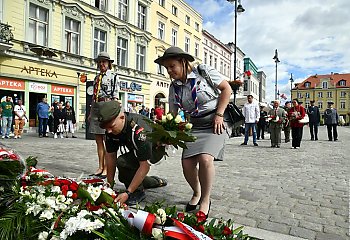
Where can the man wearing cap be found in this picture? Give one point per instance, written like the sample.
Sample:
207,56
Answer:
126,131
105,89
331,120
314,120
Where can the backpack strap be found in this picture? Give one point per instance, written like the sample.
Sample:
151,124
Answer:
204,73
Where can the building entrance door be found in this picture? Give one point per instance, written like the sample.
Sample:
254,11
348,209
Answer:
34,99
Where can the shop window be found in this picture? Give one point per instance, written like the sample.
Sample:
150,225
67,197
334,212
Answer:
72,36
122,52
38,25
141,17
140,57
100,41
123,10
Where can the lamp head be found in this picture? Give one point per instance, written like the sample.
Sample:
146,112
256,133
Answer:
240,9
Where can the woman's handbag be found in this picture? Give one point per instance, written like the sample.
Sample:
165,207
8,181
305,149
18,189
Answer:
304,119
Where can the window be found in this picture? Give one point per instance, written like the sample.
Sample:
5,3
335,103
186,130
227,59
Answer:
211,45
205,58
215,63
38,25
161,27
100,41
324,85
187,44
245,85
225,69
299,95
342,94
72,35
140,57
160,69
101,4
123,10
342,83
307,95
320,105
329,94
188,20
206,42
174,10
196,49
162,3
221,67
320,94
196,26
122,52
342,105
174,37
211,60
307,84
307,105
141,17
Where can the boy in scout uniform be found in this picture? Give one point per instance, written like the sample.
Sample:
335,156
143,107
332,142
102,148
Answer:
126,131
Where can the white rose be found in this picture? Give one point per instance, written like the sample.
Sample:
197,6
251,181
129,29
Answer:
43,235
188,126
169,116
178,119
162,215
157,233
163,119
47,214
55,189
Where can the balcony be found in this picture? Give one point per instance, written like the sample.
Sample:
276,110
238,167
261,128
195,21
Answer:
5,37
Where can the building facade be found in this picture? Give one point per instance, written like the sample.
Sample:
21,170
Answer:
333,87
262,86
217,55
251,82
54,44
172,23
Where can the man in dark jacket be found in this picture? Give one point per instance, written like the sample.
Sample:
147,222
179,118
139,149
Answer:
262,123
331,120
314,120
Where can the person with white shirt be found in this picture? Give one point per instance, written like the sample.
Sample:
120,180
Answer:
251,113
20,116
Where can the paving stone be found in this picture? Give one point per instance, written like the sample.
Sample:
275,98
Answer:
302,232
275,227
336,230
328,236
310,225
258,215
285,220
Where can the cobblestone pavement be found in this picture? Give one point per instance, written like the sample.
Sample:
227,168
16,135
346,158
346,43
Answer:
297,192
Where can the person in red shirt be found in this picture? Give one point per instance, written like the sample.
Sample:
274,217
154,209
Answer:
159,111
296,113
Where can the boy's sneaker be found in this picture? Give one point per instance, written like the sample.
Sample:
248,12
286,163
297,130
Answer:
19,136
3,137
61,135
136,197
15,137
55,135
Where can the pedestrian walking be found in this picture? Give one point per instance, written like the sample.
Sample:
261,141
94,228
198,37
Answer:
105,89
6,110
277,116
296,113
331,119
261,126
70,119
314,120
20,118
128,130
191,92
251,115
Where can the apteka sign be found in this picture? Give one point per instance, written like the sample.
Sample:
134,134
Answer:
39,71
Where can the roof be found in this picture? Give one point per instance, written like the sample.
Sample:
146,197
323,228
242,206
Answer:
316,81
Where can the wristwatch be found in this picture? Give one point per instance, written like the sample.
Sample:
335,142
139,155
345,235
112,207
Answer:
127,192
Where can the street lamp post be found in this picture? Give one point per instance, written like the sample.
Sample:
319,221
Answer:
276,61
238,9
291,85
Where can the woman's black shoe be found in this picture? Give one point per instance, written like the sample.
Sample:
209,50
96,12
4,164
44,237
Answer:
189,207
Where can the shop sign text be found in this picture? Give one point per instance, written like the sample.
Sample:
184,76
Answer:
12,84
162,84
62,90
39,71
37,87
125,86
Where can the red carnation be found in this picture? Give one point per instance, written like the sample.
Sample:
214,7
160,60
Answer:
201,217
73,186
199,228
91,207
64,181
64,189
74,196
181,216
227,231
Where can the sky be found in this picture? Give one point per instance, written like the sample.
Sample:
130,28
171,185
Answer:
312,36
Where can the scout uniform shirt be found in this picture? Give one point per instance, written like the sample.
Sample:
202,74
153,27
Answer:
134,138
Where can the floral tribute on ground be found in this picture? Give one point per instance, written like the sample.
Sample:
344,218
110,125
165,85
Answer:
37,205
